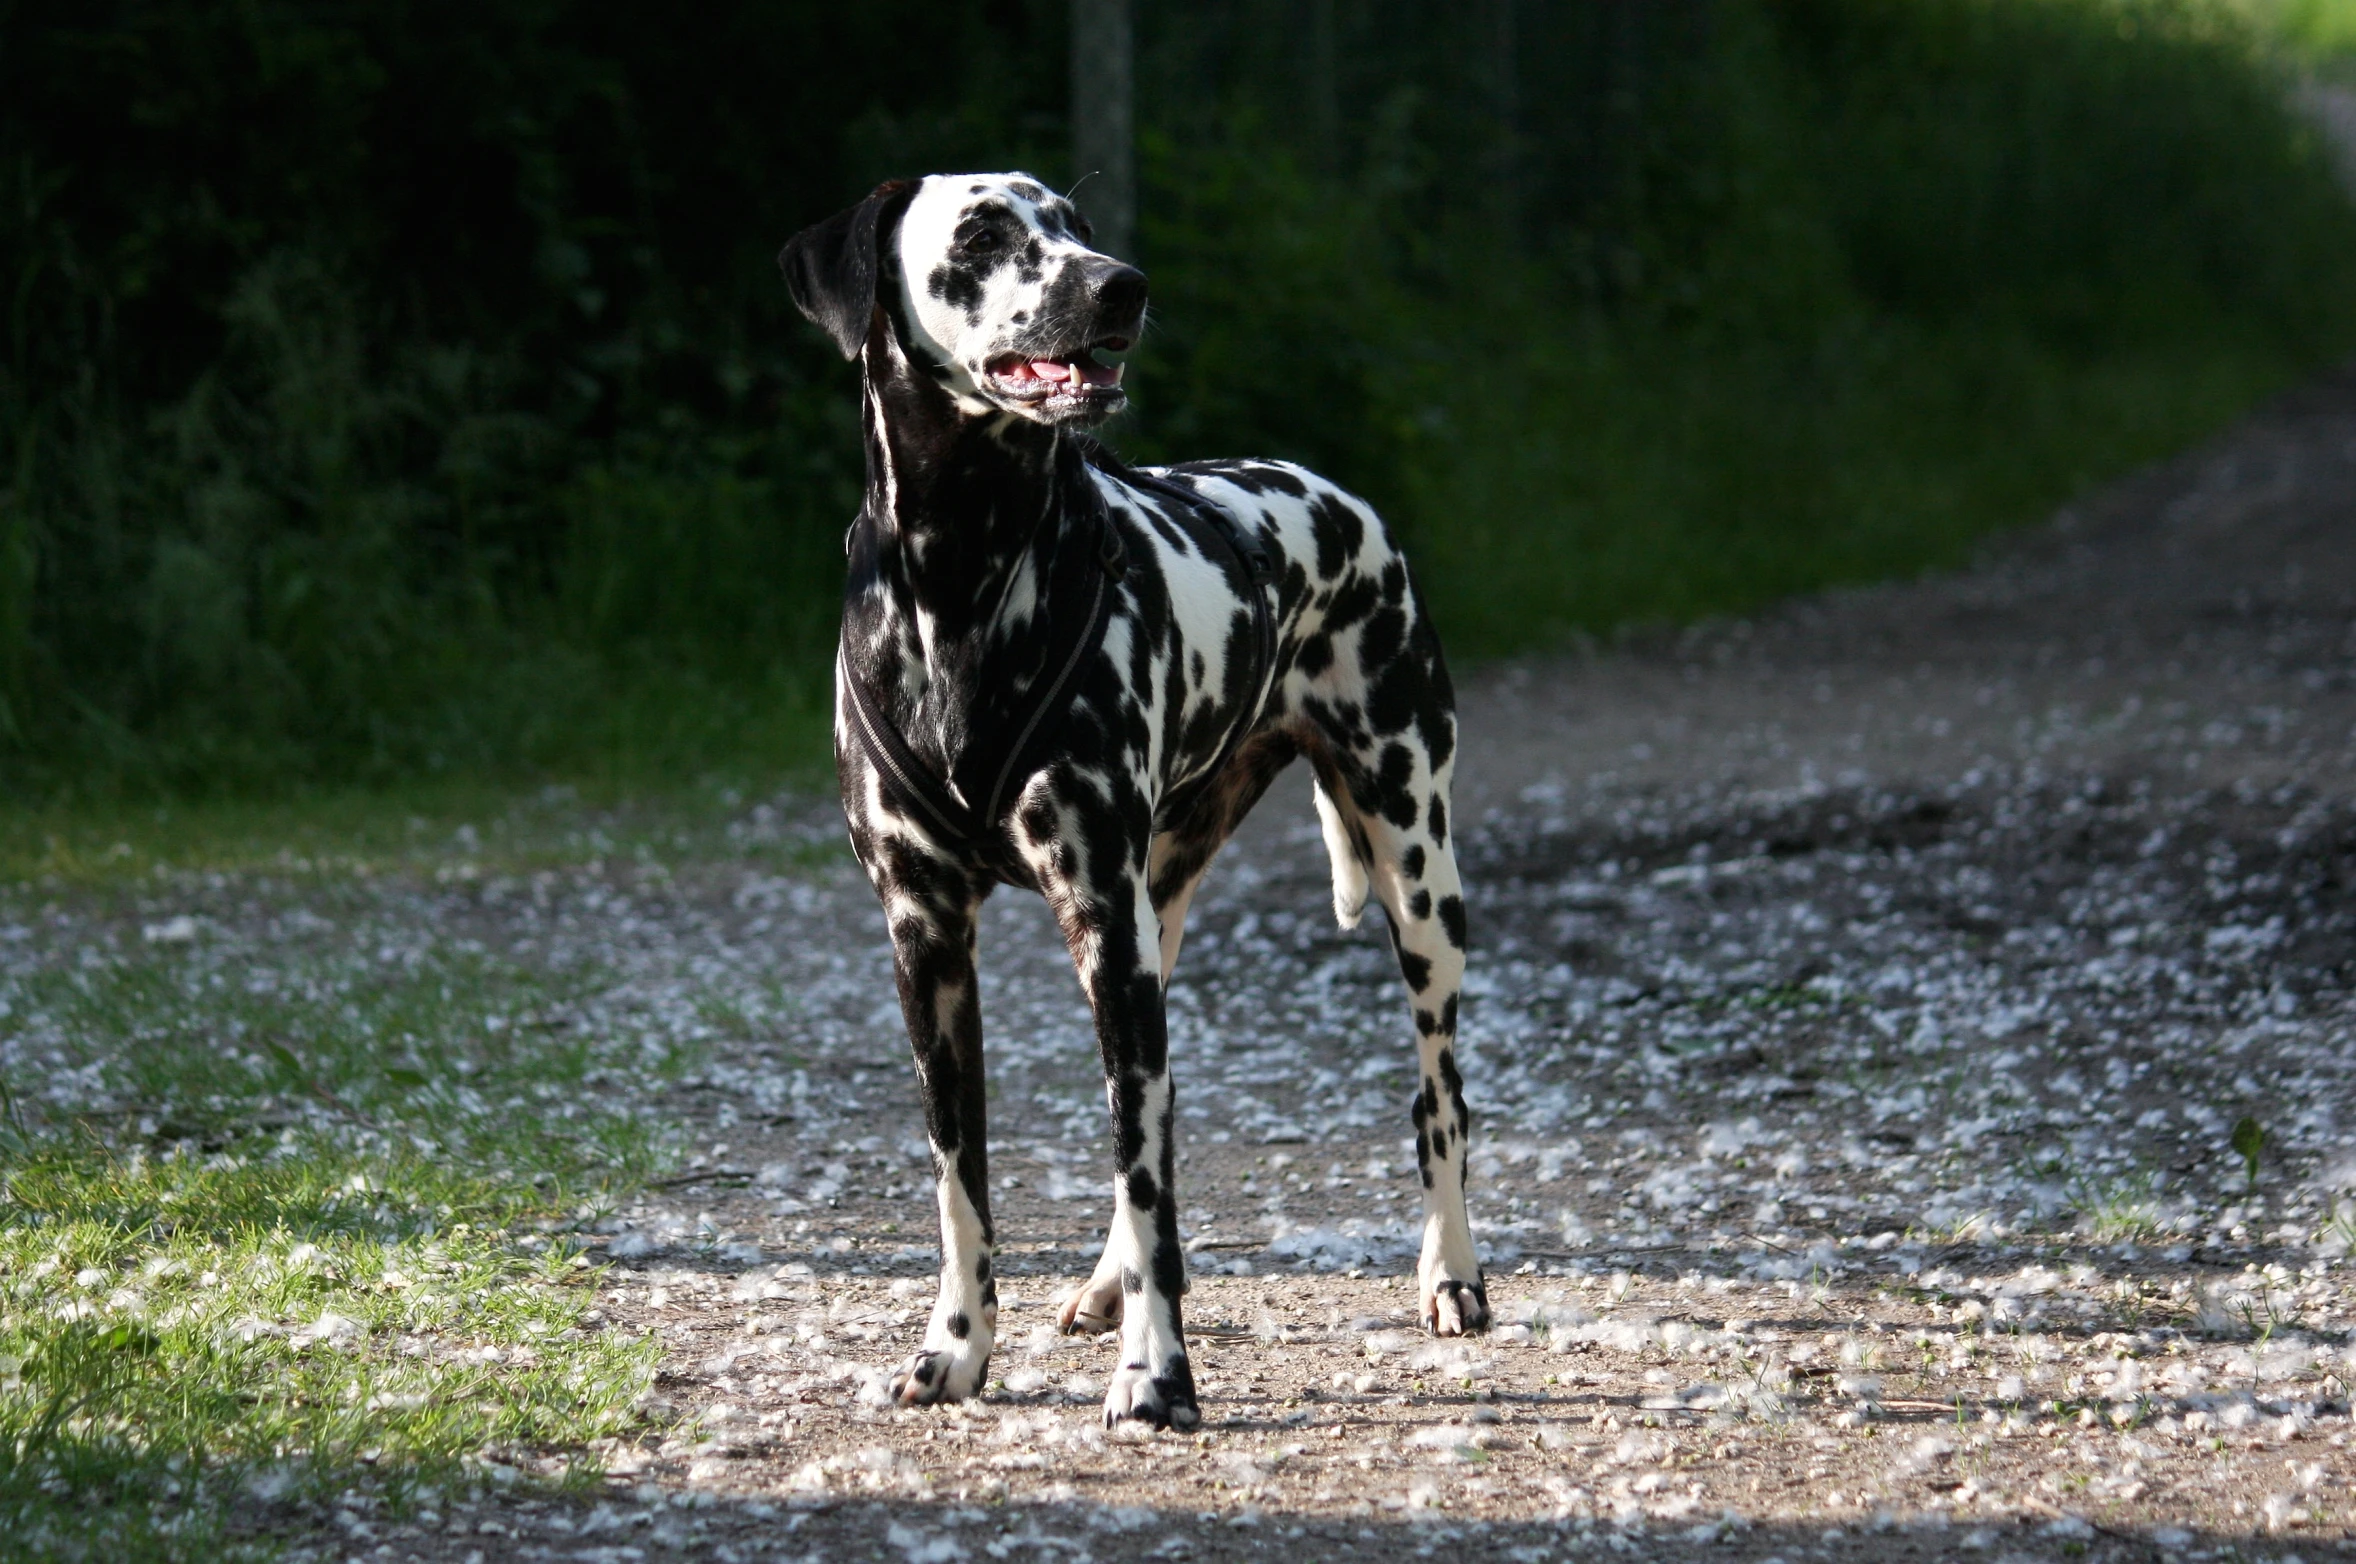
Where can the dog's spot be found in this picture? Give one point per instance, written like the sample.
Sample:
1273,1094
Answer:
959,287
1338,534
1399,691
1352,602
959,1326
1379,646
1394,786
1411,862
1419,906
1455,1092
1452,919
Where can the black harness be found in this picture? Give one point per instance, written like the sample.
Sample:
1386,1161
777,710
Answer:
1007,744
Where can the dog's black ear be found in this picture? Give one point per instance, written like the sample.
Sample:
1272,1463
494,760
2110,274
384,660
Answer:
831,266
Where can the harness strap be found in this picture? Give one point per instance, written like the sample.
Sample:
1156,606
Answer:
904,771
989,764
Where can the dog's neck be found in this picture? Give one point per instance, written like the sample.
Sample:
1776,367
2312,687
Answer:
955,543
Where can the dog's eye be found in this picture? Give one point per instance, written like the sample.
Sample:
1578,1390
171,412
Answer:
1085,229
980,241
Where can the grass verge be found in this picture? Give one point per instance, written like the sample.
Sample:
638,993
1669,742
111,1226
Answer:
455,827
285,1240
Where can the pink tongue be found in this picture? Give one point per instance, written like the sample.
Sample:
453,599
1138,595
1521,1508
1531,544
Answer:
1074,374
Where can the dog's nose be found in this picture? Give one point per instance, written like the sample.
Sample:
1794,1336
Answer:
1120,291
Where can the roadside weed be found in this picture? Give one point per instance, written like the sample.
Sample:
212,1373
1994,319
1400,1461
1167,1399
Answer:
2337,1236
2249,1142
2125,1208
2262,1328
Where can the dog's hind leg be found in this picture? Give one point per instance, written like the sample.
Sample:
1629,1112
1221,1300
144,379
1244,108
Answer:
1402,820
933,939
1416,878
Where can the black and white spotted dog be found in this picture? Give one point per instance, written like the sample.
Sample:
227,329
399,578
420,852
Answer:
977,310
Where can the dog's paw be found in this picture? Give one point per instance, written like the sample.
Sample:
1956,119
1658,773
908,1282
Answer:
1094,1309
1163,1400
1454,1308
938,1374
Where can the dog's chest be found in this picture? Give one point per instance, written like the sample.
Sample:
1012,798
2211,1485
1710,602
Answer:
1189,646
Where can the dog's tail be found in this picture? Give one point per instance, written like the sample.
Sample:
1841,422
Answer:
1345,844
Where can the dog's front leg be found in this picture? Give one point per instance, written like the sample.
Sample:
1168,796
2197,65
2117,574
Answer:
1115,942
933,955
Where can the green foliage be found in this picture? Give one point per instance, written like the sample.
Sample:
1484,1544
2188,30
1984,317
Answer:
2318,31
1892,276
408,390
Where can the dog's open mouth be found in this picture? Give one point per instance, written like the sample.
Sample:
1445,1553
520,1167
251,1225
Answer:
1074,377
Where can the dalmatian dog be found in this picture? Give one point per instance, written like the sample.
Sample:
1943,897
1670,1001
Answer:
979,314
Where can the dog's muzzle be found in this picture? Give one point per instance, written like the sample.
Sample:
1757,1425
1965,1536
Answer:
1065,377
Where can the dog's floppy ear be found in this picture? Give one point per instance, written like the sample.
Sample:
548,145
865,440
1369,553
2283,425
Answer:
831,266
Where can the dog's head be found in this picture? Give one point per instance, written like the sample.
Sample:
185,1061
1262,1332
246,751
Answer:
984,283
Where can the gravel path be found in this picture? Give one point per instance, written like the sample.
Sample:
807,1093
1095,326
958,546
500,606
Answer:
1863,1001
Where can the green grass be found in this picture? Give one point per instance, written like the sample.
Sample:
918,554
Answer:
465,826
286,1227
2125,1208
1659,486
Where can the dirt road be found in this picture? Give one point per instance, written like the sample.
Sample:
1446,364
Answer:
1864,998
1863,1003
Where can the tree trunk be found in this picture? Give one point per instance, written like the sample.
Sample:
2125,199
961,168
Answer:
1505,78
1104,140
1325,111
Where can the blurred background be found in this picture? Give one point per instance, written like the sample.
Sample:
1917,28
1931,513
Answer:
407,389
